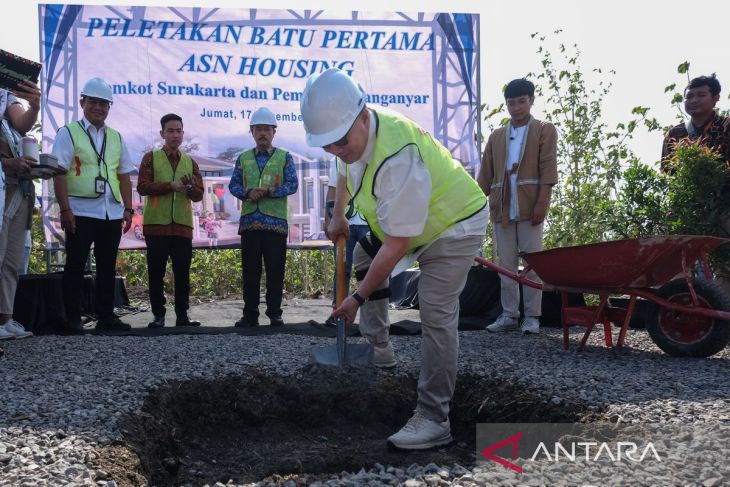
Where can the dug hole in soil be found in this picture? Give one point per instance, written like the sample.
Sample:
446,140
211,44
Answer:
304,427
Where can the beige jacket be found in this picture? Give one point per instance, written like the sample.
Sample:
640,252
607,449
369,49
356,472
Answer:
537,166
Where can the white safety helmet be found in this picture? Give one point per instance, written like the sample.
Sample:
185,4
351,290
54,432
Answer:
98,88
263,116
330,104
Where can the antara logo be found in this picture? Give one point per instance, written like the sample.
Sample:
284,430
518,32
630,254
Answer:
512,440
589,451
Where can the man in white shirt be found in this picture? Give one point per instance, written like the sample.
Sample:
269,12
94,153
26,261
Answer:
420,205
95,200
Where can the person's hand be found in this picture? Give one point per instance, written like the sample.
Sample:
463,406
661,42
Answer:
539,213
348,310
127,218
19,165
177,186
68,221
257,193
30,92
338,225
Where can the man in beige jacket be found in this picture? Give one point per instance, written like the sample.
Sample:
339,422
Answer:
518,171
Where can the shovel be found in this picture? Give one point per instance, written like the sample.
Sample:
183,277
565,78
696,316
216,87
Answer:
354,355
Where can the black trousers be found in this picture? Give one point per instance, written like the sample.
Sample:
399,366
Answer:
271,246
180,251
105,235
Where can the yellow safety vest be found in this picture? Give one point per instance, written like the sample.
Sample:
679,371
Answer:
455,196
86,167
271,177
171,207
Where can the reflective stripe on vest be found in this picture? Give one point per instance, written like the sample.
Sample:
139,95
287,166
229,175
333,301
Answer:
85,167
271,177
171,207
455,196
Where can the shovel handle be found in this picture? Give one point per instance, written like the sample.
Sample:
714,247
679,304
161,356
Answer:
341,285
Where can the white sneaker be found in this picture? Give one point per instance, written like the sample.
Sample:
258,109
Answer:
530,325
503,323
421,433
6,334
384,357
17,329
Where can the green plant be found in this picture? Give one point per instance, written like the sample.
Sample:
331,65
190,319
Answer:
217,272
641,206
698,198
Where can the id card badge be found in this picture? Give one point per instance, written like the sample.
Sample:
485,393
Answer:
100,184
268,181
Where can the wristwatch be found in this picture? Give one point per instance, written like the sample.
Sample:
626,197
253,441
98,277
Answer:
129,210
360,300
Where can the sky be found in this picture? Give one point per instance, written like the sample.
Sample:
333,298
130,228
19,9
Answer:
643,41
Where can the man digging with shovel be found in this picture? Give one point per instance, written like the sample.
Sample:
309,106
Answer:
421,205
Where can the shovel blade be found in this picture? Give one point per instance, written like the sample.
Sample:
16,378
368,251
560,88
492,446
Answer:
356,355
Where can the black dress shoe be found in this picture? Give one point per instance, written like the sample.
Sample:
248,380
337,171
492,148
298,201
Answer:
247,322
276,321
157,322
112,324
185,321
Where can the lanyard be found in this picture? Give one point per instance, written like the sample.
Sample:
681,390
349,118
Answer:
99,154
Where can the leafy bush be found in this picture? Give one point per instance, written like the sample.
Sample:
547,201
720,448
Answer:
641,206
214,273
697,193
217,273
692,198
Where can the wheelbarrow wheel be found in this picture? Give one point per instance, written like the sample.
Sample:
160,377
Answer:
683,335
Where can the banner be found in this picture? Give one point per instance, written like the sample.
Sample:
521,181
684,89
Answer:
215,67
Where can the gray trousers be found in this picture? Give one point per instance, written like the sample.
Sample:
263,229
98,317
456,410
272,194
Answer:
510,240
12,247
444,267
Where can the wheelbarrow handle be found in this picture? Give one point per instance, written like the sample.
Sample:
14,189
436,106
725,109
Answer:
340,284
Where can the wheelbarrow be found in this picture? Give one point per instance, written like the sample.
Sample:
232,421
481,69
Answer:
689,315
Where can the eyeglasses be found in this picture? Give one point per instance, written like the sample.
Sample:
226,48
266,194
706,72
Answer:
343,141
340,143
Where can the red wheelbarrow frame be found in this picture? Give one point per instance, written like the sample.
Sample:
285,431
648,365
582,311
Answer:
633,267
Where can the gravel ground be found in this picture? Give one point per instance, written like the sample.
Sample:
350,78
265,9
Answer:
62,397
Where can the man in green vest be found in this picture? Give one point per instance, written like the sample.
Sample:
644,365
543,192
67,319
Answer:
170,181
263,179
95,203
420,205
